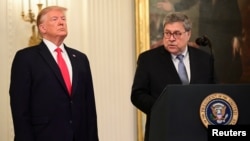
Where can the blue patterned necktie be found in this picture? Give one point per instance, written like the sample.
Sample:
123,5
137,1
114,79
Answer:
182,70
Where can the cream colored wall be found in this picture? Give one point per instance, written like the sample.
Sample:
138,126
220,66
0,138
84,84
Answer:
105,31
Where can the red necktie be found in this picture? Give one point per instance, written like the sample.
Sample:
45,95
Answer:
64,69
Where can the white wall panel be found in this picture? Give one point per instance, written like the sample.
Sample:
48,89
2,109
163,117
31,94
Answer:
111,52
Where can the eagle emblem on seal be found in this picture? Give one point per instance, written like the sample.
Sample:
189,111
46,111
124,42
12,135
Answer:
218,109
218,113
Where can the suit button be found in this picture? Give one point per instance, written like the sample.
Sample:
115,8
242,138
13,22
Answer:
71,102
70,121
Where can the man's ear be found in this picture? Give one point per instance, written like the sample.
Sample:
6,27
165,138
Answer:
42,28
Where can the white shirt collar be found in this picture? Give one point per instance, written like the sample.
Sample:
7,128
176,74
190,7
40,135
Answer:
184,53
51,46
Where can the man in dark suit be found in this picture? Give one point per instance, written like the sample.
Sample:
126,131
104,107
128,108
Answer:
44,107
221,21
158,67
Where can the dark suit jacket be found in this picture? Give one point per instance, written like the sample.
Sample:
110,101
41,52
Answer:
41,107
155,70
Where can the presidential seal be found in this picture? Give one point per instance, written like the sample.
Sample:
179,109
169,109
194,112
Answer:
218,109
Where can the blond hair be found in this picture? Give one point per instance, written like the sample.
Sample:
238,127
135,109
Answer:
43,12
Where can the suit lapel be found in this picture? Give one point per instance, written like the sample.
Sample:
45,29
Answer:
193,59
167,61
73,60
45,53
168,65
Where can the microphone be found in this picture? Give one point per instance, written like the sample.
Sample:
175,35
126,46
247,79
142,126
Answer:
204,41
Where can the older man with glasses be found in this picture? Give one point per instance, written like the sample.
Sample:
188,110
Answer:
159,67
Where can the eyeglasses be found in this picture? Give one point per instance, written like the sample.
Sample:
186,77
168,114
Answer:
176,34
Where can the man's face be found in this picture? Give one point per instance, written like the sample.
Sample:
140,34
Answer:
175,37
54,25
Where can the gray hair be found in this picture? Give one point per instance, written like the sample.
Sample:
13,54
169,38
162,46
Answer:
178,17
